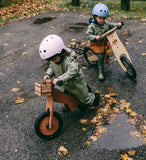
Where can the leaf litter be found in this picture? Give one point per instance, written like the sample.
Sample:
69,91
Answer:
107,112
109,109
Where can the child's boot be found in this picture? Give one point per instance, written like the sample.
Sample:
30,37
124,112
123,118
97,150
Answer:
100,76
97,99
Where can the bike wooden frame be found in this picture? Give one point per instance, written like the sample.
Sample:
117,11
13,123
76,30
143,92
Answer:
53,94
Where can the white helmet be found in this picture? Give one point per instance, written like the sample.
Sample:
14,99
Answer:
50,46
100,9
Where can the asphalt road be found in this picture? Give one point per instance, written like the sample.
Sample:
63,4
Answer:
21,66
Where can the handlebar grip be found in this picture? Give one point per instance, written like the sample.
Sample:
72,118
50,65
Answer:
122,23
60,83
119,27
101,38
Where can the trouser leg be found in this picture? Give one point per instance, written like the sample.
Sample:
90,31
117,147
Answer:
100,65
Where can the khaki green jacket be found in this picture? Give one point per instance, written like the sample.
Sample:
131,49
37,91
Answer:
70,73
95,29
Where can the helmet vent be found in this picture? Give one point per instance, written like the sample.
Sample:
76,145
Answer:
105,11
100,10
44,50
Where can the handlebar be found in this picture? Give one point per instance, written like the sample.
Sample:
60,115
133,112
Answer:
110,31
59,83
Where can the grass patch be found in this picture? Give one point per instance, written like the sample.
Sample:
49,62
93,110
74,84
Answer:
137,8
27,8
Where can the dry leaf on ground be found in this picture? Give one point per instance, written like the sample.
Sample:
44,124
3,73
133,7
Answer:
135,134
63,150
19,100
131,152
15,90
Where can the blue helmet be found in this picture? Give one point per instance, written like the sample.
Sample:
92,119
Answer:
101,10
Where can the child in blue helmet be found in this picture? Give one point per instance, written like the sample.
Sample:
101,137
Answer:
97,26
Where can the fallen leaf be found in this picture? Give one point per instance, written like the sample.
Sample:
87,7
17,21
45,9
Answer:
7,69
7,34
94,138
19,100
113,94
85,121
133,113
144,132
102,130
5,44
131,152
143,54
84,129
16,150
18,82
124,156
132,121
126,43
143,19
24,53
15,90
36,42
135,134
63,150
143,140
124,33
52,26
88,142
128,110
124,104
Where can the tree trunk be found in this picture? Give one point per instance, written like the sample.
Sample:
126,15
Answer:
75,2
1,3
125,5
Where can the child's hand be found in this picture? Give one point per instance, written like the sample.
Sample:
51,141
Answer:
119,24
55,80
98,37
46,77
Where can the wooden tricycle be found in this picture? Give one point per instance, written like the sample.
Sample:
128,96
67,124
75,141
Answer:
49,124
117,48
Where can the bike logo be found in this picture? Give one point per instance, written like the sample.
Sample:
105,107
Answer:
114,42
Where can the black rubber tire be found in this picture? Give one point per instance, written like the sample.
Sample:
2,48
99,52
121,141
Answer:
42,122
87,53
131,72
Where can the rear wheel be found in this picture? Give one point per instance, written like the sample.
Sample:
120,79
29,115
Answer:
131,72
90,57
42,125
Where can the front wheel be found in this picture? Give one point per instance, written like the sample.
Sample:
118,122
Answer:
42,125
90,57
131,72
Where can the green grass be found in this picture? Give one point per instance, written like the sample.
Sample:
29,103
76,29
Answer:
137,8
14,9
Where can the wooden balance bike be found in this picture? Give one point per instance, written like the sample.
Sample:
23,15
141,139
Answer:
49,124
119,51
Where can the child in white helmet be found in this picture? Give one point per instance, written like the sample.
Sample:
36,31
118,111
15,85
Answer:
65,68
97,26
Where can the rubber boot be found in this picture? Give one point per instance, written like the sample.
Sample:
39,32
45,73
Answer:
100,76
